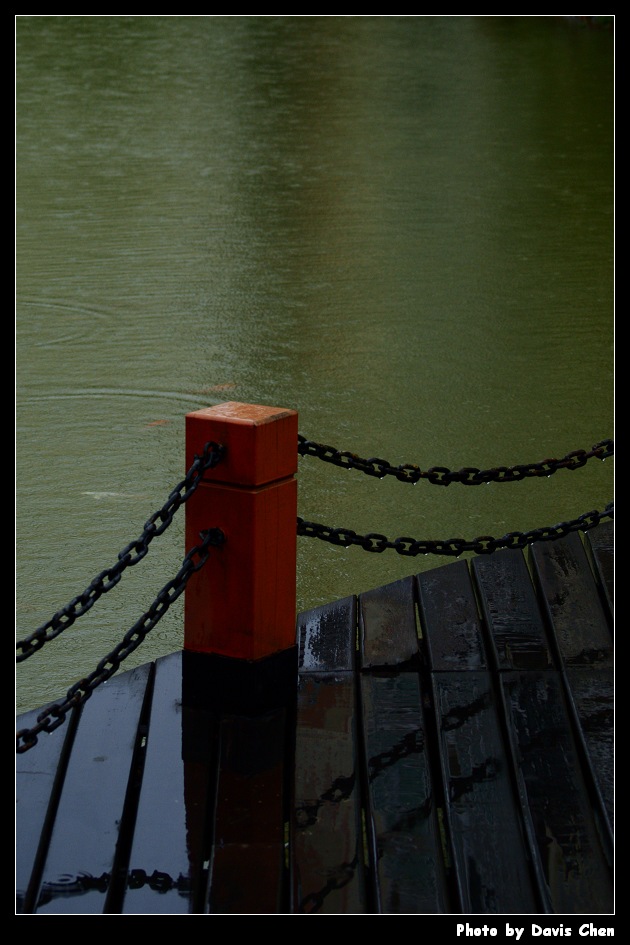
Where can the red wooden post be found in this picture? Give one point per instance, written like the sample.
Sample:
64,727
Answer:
242,602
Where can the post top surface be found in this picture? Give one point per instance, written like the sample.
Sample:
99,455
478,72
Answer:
253,414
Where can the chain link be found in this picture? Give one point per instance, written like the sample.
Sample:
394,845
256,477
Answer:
442,476
482,545
159,881
134,552
410,744
80,692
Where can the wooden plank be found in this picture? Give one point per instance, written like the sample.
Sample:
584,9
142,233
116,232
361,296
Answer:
326,637
247,864
402,811
591,691
38,779
600,544
325,830
327,843
387,625
165,860
449,618
569,854
489,853
582,631
510,608
572,602
79,866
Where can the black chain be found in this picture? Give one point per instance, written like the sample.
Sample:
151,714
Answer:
454,547
80,692
441,476
55,715
132,554
136,879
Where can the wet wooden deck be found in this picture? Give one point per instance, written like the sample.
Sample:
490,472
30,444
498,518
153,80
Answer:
443,744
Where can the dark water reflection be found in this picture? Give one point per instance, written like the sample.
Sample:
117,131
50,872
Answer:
402,227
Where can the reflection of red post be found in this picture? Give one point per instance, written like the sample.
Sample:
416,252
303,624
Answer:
242,602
